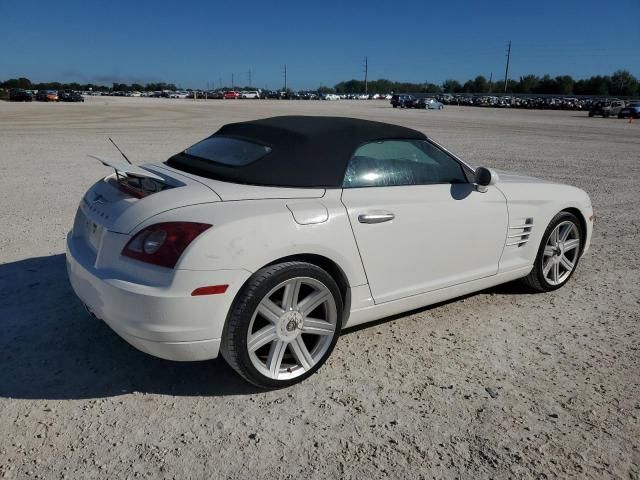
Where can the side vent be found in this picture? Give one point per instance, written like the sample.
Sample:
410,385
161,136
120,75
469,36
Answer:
518,236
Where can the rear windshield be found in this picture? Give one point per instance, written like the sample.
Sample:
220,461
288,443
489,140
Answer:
228,151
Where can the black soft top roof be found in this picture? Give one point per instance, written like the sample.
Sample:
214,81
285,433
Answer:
307,151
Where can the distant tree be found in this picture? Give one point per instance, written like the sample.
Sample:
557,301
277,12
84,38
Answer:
480,84
623,83
528,83
451,86
564,85
322,90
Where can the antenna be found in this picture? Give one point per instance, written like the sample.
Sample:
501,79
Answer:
121,152
506,71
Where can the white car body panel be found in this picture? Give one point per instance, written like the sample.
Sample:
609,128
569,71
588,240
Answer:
444,241
426,246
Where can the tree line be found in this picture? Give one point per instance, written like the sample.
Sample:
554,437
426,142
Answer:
620,83
27,84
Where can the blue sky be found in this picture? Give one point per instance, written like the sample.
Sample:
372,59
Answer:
192,43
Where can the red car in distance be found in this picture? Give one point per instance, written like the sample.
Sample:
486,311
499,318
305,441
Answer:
231,95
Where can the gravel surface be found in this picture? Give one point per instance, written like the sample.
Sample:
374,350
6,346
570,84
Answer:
501,384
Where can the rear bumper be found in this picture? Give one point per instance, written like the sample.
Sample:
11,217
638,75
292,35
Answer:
163,320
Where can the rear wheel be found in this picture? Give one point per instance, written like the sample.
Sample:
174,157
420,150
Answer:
558,255
284,324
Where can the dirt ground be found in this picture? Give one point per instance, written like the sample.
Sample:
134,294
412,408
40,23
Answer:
501,384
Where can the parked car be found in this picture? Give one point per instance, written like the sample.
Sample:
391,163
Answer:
632,110
429,104
70,96
331,96
264,240
401,100
606,108
47,96
253,94
231,95
19,95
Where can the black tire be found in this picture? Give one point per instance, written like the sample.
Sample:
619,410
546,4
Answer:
234,338
536,279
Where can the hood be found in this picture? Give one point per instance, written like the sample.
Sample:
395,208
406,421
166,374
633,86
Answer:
513,177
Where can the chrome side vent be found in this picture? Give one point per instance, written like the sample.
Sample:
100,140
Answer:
518,236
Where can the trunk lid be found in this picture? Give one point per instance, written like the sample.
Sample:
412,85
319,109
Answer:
228,191
115,207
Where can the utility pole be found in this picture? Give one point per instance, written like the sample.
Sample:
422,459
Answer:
506,71
366,74
250,84
490,82
284,73
232,82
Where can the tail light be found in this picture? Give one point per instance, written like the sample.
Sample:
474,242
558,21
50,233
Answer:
163,243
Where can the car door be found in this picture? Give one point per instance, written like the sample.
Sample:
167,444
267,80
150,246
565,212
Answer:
419,224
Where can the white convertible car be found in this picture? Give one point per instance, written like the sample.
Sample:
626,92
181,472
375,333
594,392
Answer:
265,240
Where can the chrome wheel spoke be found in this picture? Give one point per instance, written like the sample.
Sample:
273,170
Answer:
547,267
270,310
571,244
261,337
549,251
565,234
566,263
290,296
302,354
556,272
312,301
274,360
317,327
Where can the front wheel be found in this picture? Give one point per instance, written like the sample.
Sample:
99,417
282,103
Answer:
284,324
558,254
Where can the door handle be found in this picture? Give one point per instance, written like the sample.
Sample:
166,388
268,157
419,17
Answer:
375,217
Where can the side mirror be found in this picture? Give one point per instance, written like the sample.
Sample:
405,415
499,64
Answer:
484,178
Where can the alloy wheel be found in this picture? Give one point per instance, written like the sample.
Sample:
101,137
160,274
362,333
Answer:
561,253
292,328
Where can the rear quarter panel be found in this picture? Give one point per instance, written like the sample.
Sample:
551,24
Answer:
250,234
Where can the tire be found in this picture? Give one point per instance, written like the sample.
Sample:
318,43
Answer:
273,341
557,259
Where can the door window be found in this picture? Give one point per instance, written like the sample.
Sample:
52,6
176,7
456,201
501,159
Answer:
388,163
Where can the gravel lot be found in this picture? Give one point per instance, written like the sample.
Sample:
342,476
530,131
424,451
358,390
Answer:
501,384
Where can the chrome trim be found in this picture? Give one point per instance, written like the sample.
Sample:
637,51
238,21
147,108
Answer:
375,217
521,242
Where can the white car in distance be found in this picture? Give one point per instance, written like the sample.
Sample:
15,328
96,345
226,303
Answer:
250,94
263,241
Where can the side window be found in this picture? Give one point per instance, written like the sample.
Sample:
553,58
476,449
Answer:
388,163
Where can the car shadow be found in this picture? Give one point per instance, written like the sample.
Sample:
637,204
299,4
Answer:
50,348
512,288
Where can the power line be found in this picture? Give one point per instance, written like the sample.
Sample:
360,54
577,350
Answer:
366,73
506,71
284,74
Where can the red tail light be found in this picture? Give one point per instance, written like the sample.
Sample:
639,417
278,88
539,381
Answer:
163,243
